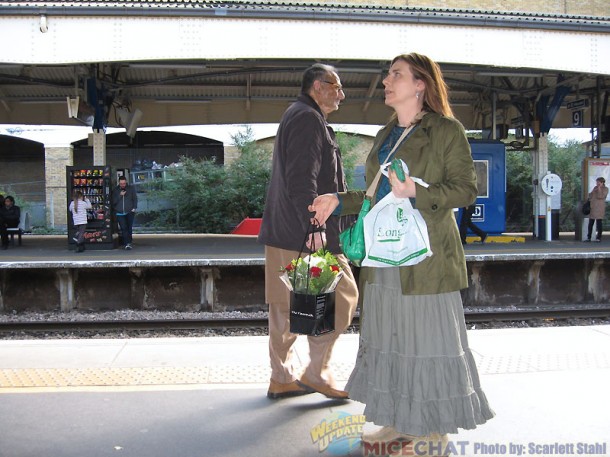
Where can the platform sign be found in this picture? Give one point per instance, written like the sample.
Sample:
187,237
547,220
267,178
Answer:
551,184
478,215
519,127
578,104
577,118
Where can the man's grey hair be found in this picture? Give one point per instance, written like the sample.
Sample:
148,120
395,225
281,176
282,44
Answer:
316,72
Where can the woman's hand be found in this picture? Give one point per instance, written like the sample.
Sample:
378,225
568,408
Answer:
323,206
400,189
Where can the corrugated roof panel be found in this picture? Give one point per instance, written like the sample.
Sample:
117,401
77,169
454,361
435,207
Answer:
160,6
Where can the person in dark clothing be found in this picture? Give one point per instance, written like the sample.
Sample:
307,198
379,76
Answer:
9,218
306,162
124,204
466,223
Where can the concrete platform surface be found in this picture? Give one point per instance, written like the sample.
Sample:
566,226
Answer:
51,251
201,397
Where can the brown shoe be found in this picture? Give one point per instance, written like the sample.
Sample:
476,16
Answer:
323,389
284,390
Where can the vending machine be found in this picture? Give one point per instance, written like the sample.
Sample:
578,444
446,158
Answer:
96,185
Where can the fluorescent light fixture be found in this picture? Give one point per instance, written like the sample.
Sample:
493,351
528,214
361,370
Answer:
510,74
192,101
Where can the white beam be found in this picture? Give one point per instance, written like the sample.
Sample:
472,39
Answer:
132,38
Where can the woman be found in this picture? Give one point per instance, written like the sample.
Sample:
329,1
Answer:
414,370
10,214
78,207
597,197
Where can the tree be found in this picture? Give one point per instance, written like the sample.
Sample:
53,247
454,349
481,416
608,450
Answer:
518,191
210,198
565,161
199,197
249,177
348,144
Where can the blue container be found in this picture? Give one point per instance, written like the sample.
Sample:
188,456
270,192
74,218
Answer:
490,163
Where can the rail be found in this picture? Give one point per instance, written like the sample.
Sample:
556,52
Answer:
472,316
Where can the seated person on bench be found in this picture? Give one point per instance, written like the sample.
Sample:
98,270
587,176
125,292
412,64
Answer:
9,218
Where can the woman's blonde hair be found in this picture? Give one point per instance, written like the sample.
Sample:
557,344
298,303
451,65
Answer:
436,98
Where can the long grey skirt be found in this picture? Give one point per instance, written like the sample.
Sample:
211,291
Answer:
414,370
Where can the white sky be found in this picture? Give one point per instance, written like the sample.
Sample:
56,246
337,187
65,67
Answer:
51,135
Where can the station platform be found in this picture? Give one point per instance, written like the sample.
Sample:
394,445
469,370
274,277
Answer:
199,397
178,249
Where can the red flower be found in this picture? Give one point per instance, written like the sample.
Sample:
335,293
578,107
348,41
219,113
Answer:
289,267
316,271
335,268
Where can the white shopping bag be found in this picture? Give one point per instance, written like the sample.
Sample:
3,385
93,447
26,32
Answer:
395,234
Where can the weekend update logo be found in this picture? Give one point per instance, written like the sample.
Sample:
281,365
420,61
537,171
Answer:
339,433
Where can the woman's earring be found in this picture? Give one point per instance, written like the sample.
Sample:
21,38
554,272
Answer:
417,95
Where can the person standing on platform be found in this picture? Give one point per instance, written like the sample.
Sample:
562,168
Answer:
466,223
10,214
597,197
414,370
124,204
78,207
306,162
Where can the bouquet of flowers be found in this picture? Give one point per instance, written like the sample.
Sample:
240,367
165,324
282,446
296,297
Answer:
315,274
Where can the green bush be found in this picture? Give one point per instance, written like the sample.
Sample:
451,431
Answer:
248,176
564,160
199,196
210,198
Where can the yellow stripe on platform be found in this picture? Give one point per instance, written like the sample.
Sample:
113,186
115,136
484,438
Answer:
143,376
497,239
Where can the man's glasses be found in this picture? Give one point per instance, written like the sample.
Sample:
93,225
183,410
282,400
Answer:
339,87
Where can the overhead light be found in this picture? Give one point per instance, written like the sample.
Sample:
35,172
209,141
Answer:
183,100
510,74
73,106
167,66
44,27
129,120
40,101
81,111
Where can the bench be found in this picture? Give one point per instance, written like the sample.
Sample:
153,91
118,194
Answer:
23,227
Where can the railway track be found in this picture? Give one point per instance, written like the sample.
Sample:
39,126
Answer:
472,316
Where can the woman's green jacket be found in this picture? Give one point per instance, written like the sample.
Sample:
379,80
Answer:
438,152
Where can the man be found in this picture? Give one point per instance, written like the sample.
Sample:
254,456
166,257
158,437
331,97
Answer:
466,223
306,163
124,204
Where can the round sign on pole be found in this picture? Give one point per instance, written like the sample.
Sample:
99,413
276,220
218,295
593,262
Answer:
551,184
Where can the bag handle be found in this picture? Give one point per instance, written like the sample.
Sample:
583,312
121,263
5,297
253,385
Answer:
371,190
311,229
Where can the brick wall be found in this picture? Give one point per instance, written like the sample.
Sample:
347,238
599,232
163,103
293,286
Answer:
57,158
